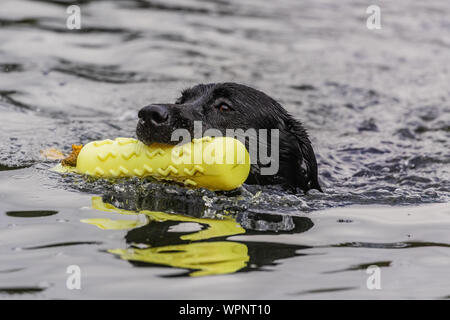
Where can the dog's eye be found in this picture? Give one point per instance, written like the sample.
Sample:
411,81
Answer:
223,107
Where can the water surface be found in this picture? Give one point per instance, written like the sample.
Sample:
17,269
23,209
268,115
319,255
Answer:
376,104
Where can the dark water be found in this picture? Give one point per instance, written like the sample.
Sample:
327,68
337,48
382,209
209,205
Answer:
376,104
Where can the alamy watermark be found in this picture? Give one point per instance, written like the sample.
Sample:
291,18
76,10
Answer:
73,281
373,282
73,21
373,22
262,146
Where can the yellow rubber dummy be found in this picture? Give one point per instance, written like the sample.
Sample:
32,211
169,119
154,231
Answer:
220,163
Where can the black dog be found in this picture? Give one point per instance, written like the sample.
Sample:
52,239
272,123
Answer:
234,106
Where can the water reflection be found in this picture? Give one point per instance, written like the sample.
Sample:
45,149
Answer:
199,244
219,257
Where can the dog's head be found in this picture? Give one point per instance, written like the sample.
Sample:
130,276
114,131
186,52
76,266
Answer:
223,106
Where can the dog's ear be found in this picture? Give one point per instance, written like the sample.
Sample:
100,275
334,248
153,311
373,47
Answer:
306,171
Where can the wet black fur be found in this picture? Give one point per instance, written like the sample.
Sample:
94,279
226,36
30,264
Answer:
248,108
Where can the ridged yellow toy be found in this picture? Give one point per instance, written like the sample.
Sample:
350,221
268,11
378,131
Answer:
220,163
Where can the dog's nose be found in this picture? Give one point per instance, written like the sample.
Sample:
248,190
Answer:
157,114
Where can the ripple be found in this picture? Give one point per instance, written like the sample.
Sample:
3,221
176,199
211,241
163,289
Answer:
5,96
4,167
325,290
20,290
100,73
63,244
394,245
31,214
10,67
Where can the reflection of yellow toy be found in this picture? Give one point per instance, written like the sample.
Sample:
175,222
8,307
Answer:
211,257
219,257
216,228
220,163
